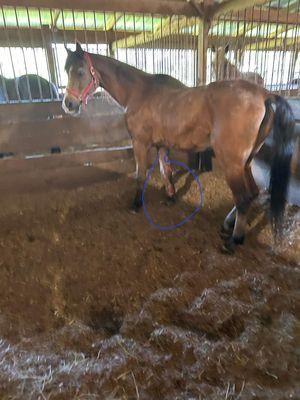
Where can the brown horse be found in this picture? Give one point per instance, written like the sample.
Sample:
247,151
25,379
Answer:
224,69
234,117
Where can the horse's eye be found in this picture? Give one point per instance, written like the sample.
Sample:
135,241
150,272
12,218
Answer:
80,72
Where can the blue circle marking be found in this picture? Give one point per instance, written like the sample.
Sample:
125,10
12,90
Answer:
187,218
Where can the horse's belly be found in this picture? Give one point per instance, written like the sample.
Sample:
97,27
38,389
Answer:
196,139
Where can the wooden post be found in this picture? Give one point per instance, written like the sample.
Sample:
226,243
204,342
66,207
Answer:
204,26
204,158
46,33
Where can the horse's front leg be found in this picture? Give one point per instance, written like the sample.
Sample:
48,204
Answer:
166,172
141,155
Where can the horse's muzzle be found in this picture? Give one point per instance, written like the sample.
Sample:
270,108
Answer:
71,105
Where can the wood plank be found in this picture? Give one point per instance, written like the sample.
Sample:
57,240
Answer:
38,111
267,16
37,127
79,158
163,7
33,137
235,5
34,37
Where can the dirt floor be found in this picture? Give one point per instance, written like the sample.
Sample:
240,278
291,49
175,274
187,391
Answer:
97,304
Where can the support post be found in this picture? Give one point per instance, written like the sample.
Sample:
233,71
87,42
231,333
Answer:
204,158
204,26
49,52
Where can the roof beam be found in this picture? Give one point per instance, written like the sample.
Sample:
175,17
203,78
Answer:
163,7
55,18
235,5
264,16
275,44
170,26
33,37
112,20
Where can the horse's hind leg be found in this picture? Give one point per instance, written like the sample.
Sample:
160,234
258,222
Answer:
244,190
140,154
166,173
229,222
242,201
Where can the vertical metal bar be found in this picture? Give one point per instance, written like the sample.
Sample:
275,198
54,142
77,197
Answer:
243,44
217,61
51,69
267,35
135,45
96,34
74,27
285,40
275,43
115,31
295,51
297,42
85,34
162,47
251,36
59,80
224,44
169,48
185,51
24,58
125,38
145,48
10,54
153,56
258,47
257,28
4,84
108,45
177,49
34,55
63,24
233,46
195,50
237,43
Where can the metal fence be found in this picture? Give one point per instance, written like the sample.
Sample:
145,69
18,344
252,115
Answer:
258,43
261,41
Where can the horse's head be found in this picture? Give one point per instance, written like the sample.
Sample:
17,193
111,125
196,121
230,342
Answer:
82,80
218,60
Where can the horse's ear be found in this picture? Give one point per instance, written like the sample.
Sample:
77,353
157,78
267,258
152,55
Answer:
226,48
67,50
79,49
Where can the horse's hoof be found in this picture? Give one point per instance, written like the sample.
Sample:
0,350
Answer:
225,233
229,246
170,201
135,207
133,210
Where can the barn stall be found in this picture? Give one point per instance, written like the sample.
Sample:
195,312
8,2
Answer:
95,302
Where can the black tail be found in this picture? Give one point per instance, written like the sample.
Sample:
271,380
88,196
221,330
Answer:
283,129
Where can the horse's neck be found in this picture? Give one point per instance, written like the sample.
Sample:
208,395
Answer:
120,80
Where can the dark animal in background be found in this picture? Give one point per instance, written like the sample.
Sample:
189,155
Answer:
38,86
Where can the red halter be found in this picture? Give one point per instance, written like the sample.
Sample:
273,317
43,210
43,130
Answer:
93,84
